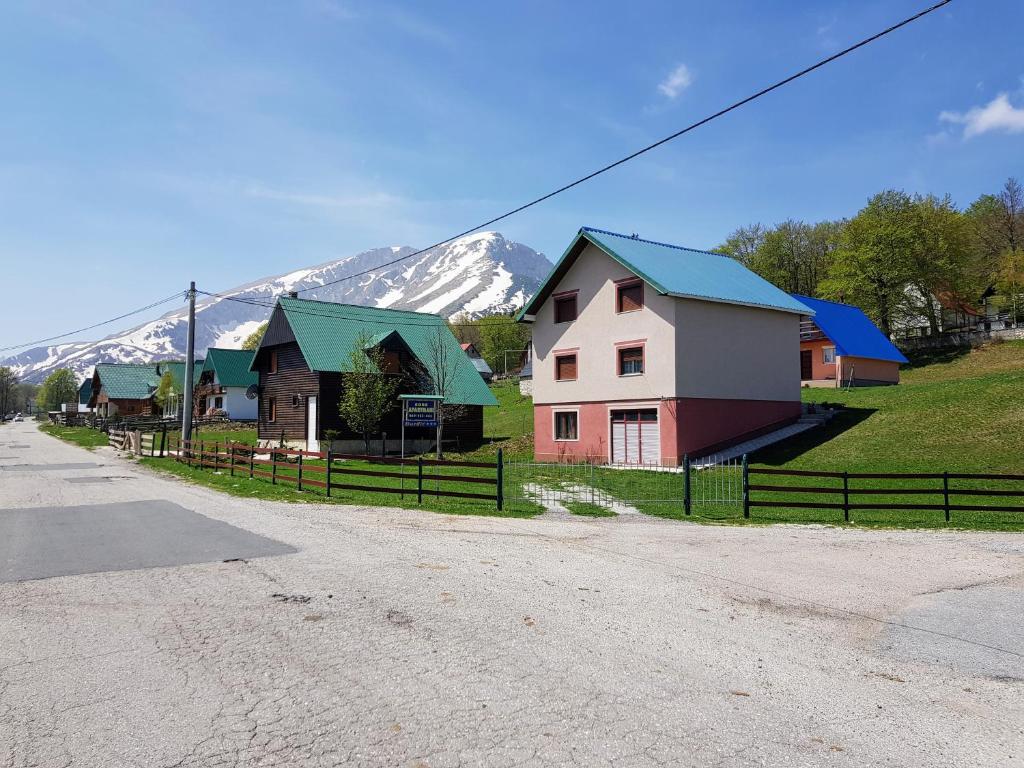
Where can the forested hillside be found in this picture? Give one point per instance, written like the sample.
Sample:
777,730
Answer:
898,252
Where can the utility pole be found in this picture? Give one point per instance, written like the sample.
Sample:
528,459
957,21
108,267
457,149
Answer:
190,364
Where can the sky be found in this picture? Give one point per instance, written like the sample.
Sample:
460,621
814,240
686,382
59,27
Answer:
143,145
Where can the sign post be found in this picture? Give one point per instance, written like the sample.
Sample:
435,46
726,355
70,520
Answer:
419,411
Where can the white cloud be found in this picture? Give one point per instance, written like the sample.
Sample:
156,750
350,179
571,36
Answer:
998,115
678,80
372,199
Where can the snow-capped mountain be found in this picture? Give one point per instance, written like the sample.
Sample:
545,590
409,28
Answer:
475,275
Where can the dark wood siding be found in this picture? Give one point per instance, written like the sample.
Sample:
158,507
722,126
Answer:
468,427
293,378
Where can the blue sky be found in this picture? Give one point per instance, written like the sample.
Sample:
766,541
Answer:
146,144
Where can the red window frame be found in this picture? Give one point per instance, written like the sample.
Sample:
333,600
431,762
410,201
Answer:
272,362
271,409
632,282
559,356
620,349
561,299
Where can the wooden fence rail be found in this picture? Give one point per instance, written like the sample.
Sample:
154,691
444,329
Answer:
947,491
319,469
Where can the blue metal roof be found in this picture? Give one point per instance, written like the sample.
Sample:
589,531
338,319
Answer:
675,271
851,330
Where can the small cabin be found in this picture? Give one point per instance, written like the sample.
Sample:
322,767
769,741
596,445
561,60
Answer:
307,350
840,346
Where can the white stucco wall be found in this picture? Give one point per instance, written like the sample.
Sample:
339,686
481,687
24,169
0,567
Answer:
596,331
692,348
736,352
236,404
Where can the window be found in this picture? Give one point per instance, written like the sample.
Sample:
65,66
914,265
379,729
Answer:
828,355
218,403
629,297
271,409
631,361
567,425
565,308
565,367
273,361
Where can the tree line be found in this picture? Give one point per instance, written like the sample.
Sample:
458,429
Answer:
901,258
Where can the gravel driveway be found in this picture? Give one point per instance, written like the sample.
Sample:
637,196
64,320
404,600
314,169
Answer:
400,638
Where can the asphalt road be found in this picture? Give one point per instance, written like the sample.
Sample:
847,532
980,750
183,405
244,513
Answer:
417,639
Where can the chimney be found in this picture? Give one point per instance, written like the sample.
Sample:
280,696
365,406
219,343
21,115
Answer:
293,294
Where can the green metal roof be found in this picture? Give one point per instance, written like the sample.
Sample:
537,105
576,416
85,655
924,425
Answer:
128,381
673,270
231,366
327,332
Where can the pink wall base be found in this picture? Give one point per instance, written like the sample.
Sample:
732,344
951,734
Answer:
687,425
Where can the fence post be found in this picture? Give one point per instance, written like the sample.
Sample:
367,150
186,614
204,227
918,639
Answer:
501,480
419,480
746,487
163,440
300,471
945,493
231,458
846,496
327,482
687,501
252,460
273,467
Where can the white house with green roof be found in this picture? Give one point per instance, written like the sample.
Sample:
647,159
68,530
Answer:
307,350
227,386
643,352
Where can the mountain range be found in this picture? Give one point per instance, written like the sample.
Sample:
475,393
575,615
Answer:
476,275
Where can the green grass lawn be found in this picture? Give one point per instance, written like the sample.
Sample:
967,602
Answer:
961,414
397,491
86,437
214,435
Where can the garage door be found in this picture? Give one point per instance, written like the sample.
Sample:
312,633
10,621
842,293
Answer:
636,438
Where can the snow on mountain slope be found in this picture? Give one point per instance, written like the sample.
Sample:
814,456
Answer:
476,275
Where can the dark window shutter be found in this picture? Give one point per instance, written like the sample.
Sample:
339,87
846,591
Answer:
565,309
631,297
565,367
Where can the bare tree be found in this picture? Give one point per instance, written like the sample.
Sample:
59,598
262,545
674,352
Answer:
440,373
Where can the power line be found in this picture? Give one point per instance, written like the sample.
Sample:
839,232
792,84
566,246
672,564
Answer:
337,315
177,295
604,169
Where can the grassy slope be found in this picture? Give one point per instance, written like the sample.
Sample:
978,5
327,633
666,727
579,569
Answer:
964,413
81,436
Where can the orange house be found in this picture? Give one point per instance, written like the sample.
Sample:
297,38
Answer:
840,346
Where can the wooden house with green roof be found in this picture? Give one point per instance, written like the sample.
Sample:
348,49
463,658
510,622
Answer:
129,389
124,389
307,350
